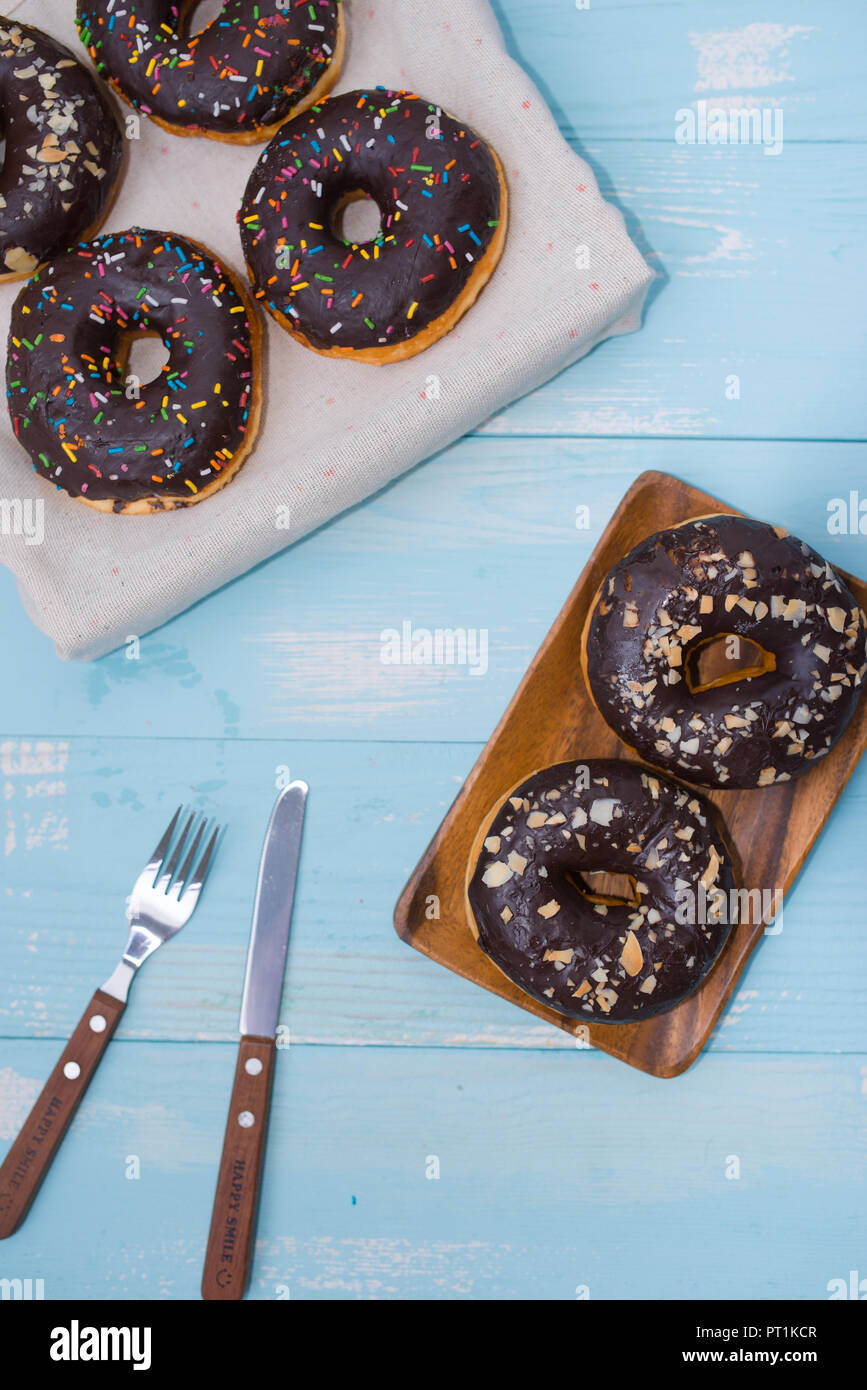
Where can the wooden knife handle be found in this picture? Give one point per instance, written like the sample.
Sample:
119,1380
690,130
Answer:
30,1157
233,1223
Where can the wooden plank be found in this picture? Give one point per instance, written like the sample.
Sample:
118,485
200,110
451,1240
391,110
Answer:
484,536
347,1211
622,70
76,830
761,258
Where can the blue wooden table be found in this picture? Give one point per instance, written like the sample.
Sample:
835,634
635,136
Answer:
429,1140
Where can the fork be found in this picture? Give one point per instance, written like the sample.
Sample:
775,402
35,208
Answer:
161,902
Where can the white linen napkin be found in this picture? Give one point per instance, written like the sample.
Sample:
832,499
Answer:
333,432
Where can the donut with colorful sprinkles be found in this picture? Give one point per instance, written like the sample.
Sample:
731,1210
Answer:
442,199
257,63
64,149
92,428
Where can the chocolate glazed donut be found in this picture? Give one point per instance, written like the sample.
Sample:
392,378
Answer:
134,448
237,79
64,149
714,577
597,958
443,202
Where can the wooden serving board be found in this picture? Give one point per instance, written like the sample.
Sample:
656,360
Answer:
551,719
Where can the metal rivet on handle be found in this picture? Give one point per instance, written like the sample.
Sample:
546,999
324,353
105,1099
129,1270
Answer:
252,1066
71,1071
97,1023
246,1119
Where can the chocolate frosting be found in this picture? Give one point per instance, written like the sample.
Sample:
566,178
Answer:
245,70
715,576
66,376
603,962
436,184
63,148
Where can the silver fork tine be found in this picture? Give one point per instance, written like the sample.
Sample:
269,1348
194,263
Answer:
185,871
201,873
161,850
169,868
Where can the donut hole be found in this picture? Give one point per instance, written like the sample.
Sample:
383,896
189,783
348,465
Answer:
357,218
600,886
197,15
141,355
724,658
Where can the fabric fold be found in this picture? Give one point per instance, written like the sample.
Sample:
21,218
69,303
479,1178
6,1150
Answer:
333,432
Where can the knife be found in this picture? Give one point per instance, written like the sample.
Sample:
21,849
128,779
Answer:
233,1223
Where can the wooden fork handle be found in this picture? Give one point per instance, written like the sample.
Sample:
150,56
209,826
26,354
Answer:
30,1157
233,1223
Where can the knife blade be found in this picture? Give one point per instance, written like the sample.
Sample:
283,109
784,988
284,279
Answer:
272,914
233,1220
